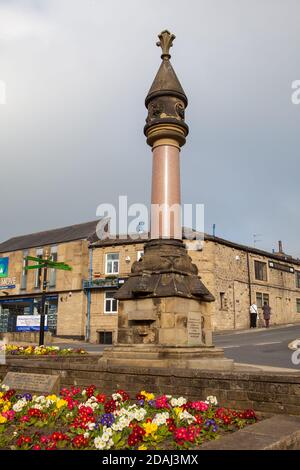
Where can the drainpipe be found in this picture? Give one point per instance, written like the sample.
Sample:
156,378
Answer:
88,320
249,279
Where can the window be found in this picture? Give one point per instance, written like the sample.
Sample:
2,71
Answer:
298,279
261,299
110,303
260,270
112,263
139,254
52,275
223,303
38,272
298,305
24,272
105,337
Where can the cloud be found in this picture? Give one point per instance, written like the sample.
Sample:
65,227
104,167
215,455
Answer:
76,75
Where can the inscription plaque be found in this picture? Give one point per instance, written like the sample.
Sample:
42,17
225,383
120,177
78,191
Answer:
36,383
194,328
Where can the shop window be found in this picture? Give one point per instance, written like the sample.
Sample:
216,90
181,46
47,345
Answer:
260,270
105,337
110,303
112,263
261,299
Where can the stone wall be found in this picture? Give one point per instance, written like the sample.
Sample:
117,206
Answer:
262,391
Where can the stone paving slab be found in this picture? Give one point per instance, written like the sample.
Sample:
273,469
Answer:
280,432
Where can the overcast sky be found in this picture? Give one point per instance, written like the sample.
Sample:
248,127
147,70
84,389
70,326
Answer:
71,132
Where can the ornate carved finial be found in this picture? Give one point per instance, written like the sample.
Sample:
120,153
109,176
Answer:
165,42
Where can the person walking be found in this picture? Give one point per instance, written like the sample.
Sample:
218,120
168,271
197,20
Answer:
267,314
253,315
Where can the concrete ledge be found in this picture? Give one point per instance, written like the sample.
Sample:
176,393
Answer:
276,433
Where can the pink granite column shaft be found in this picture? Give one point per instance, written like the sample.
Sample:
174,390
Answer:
165,200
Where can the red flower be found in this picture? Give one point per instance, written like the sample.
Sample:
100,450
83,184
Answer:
101,398
136,435
90,390
79,441
123,394
110,406
36,447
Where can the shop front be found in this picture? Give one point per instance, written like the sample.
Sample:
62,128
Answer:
23,314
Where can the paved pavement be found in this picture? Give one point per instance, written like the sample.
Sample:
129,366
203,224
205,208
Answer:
262,346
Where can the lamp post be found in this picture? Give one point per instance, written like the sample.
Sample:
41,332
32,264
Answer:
44,264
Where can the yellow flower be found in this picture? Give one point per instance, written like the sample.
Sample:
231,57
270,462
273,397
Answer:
2,419
178,410
148,396
142,447
52,397
60,403
150,428
1,394
7,406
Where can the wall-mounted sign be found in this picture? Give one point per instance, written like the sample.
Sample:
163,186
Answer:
30,323
281,267
7,283
4,267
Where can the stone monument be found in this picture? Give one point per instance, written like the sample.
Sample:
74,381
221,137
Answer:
164,307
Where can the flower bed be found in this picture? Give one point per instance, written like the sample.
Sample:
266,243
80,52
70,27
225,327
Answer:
14,350
87,419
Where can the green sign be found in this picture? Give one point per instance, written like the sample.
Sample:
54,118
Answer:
4,267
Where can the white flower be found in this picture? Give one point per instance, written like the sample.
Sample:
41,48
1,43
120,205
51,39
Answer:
86,435
91,426
83,392
186,416
19,405
178,401
5,387
211,400
117,397
161,418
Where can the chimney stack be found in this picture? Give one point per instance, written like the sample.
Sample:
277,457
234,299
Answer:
280,250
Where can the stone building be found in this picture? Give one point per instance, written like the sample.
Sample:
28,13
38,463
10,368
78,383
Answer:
81,302
21,290
236,275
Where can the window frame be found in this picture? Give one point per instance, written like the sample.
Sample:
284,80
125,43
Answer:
112,261
298,305
265,297
265,264
38,272
111,301
297,278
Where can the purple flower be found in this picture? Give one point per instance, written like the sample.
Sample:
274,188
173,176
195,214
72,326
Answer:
27,396
107,419
151,403
141,402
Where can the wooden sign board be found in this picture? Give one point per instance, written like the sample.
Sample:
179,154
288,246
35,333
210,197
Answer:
41,384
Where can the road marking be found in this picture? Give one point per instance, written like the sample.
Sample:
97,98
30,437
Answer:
230,347
269,342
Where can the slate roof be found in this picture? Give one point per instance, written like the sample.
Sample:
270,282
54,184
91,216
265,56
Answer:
70,233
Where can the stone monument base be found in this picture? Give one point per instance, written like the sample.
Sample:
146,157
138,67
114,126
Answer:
178,357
